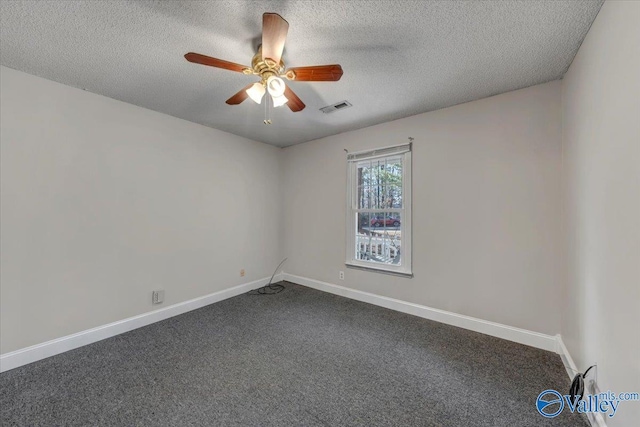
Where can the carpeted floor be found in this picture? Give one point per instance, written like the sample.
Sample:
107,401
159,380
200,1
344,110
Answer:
298,358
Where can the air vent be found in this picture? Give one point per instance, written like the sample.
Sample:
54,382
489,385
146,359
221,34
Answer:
335,107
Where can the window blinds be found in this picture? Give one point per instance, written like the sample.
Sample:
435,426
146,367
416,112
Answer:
380,152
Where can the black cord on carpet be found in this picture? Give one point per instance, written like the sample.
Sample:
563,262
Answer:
270,288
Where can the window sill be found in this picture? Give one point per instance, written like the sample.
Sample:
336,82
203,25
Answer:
380,270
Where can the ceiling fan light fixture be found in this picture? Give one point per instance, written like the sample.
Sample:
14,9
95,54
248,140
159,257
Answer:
268,65
256,92
276,86
279,100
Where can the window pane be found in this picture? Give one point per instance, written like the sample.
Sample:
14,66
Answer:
364,185
393,183
393,195
392,237
363,247
378,238
379,183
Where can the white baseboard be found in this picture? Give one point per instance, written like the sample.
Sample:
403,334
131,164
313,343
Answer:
522,336
595,418
567,360
37,352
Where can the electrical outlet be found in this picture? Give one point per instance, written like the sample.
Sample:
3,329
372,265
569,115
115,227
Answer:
157,297
342,275
242,273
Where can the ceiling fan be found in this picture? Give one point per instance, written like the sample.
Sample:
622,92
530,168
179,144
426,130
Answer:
267,63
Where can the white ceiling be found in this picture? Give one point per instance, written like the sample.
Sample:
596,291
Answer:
400,58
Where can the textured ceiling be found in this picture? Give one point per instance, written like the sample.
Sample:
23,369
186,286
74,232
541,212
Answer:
400,58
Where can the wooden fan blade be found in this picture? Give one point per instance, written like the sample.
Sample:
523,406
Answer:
294,103
319,73
240,96
274,34
213,62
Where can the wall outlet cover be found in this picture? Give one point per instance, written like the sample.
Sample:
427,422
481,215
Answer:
157,297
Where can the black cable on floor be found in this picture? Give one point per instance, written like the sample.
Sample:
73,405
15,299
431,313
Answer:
270,288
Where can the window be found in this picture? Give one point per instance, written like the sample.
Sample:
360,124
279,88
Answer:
379,210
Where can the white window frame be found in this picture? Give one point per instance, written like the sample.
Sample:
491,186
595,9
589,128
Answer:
404,269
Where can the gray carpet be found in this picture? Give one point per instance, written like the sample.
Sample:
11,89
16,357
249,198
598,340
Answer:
298,358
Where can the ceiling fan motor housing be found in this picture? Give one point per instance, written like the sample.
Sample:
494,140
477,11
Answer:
265,68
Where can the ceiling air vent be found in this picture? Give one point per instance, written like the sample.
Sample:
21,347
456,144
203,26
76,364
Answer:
335,107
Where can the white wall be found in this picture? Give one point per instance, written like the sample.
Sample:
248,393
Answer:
486,208
601,176
102,202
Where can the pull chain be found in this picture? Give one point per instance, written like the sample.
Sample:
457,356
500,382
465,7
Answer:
267,109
